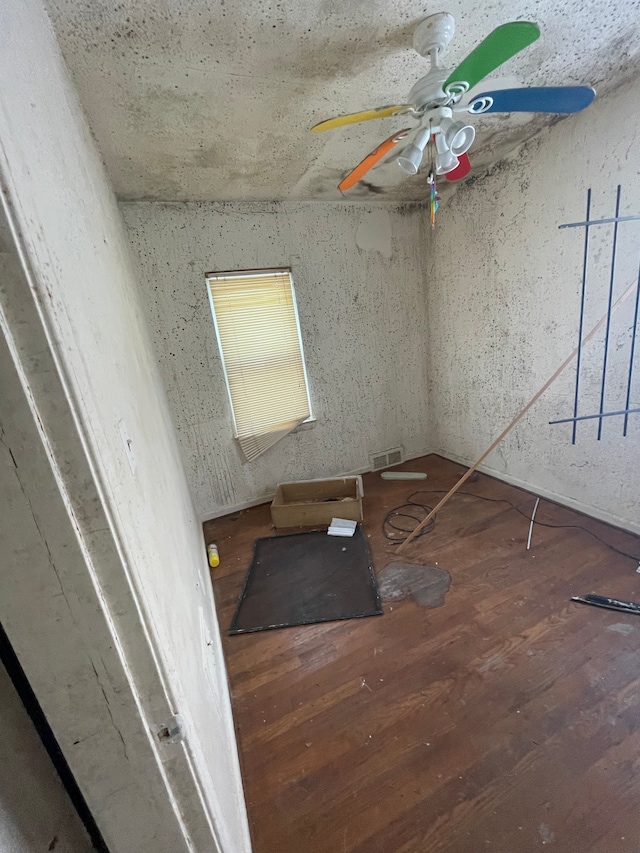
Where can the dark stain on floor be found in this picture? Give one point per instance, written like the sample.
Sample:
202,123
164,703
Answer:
427,585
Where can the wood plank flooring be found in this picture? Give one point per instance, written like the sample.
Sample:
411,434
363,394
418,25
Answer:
507,720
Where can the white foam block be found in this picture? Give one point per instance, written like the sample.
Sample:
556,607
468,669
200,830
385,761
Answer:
403,475
342,527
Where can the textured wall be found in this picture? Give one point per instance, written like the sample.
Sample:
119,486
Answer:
147,558
358,273
35,812
504,306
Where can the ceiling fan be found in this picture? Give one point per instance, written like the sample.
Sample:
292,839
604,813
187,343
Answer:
434,101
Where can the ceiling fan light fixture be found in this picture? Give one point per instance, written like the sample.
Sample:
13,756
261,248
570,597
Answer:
446,160
446,163
460,138
411,158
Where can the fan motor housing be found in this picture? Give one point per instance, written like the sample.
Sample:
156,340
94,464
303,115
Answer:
434,33
428,93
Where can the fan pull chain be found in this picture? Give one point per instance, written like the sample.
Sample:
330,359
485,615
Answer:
431,179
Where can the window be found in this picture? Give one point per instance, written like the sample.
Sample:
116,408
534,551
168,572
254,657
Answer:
258,332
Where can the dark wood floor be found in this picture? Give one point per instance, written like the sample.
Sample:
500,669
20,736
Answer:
507,720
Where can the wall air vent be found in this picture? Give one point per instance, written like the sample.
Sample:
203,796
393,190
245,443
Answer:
385,458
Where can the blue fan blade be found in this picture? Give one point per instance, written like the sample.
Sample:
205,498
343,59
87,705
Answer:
544,99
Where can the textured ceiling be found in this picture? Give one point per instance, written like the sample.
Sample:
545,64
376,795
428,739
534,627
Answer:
195,100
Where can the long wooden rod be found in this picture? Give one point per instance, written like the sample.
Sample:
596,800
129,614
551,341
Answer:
518,417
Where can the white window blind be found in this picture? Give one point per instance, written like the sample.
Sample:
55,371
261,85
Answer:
259,337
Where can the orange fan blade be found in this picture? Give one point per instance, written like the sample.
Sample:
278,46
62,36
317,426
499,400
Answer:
371,159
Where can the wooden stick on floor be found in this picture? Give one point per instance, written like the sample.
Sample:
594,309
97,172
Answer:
518,417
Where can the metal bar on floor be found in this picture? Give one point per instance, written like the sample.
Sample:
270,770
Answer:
609,304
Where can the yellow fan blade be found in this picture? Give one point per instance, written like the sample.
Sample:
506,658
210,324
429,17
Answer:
365,115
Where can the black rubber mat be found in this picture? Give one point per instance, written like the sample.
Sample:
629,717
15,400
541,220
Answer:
306,578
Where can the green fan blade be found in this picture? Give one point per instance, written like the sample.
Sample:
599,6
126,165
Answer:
503,43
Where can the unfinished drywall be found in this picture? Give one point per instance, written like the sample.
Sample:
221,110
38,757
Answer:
504,301
358,274
80,345
27,777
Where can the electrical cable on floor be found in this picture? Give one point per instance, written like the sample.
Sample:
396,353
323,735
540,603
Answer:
424,510
412,510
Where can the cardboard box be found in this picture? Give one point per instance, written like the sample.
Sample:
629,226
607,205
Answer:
313,503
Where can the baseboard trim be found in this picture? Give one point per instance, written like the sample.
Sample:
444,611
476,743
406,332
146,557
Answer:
586,509
264,499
